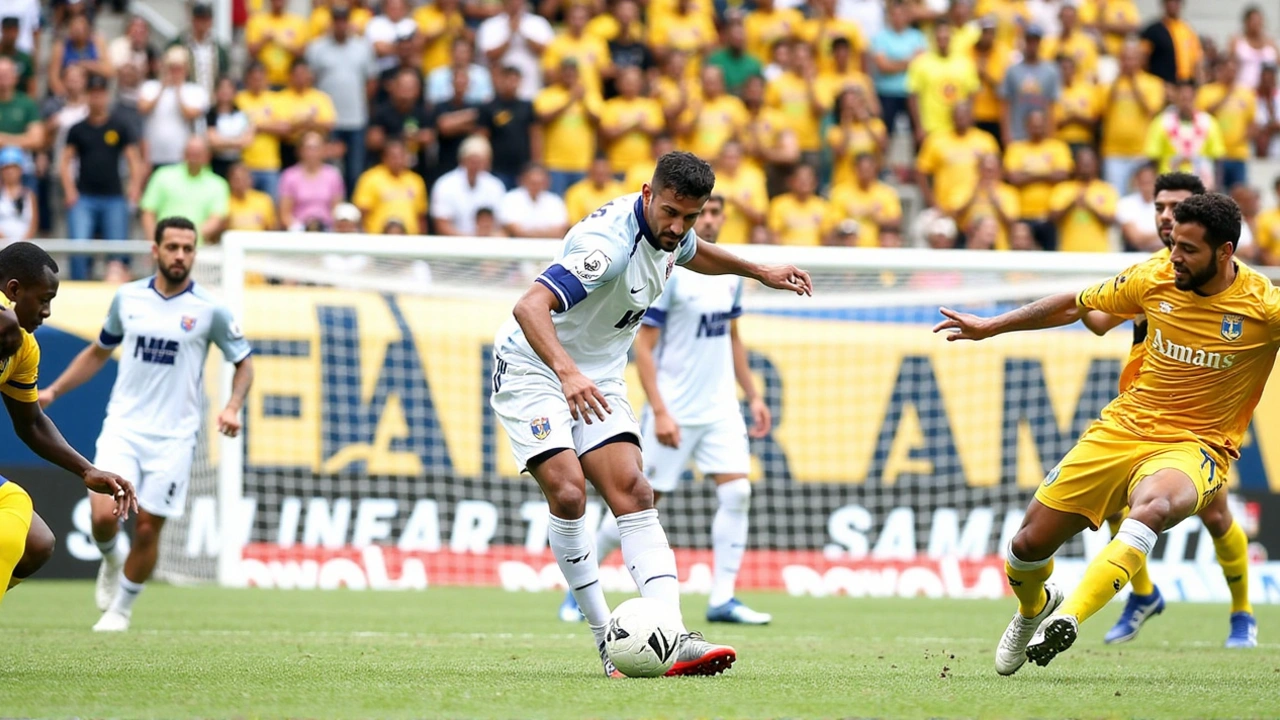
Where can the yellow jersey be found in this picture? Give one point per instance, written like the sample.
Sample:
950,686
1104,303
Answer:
870,206
310,103
1037,158
445,28
1134,363
256,211
1124,122
720,119
799,222
1079,46
1235,116
763,29
1006,199
591,53
1079,99
986,99
382,197
569,141
322,19
1010,16
745,188
952,159
635,146
263,152
1080,230
865,137
1168,135
19,373
1111,12
820,33
940,83
688,33
1208,358
789,94
1268,230
289,32
639,174
583,197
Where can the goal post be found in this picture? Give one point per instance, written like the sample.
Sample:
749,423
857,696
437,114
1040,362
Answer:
899,463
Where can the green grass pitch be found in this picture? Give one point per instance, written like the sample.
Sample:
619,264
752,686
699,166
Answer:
214,653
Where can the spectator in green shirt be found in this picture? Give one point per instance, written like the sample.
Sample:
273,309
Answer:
20,124
188,189
9,29
733,59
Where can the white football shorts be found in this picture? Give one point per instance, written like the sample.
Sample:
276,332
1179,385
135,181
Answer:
719,448
531,406
158,467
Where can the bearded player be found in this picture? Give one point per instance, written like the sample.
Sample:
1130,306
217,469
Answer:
688,355
1229,541
30,281
1164,445
559,388
164,324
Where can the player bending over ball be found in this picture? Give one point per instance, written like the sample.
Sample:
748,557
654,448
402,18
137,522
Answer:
1229,541
688,354
30,281
558,382
1163,446
165,324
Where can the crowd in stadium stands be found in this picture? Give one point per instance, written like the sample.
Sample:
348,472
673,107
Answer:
1018,124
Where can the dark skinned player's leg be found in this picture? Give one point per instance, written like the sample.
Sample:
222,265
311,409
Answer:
38,550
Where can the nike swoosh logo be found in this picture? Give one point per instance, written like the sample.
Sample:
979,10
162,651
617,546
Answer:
636,290
576,560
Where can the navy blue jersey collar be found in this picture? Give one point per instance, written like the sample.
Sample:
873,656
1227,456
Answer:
191,286
644,224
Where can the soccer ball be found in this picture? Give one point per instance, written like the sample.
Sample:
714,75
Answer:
643,636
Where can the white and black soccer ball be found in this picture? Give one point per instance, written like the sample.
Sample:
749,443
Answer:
643,637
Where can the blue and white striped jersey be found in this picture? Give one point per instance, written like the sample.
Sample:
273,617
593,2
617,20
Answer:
610,270
164,344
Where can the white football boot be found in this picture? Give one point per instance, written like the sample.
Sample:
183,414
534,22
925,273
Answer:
1011,653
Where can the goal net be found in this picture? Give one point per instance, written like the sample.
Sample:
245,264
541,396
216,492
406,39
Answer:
898,463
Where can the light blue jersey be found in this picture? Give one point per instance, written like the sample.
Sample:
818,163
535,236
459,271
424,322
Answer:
164,342
610,270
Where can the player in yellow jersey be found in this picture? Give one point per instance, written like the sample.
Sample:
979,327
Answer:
1230,543
29,280
1164,445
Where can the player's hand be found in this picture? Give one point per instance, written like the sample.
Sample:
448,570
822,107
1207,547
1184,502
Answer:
584,397
963,326
46,397
229,422
787,277
667,429
120,490
761,419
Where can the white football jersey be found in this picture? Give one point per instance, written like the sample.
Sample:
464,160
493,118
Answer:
610,270
694,352
163,343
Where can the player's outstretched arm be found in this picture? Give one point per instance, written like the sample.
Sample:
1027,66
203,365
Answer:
38,432
711,259
1053,311
533,313
82,368
665,427
1099,323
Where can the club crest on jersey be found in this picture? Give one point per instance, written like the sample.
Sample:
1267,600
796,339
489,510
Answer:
540,427
188,323
1232,327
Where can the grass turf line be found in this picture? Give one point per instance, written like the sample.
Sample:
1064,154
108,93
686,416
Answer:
447,652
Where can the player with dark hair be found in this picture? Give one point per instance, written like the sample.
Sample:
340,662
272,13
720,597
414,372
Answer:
1163,446
1231,545
30,281
165,324
559,389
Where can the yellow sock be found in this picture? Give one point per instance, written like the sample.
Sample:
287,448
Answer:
1141,583
1028,585
1233,555
1105,576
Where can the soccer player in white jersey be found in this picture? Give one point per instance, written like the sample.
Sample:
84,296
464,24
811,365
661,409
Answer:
688,355
163,325
558,383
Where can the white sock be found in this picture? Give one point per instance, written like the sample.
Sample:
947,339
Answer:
729,538
1137,536
649,557
128,595
575,556
107,547
607,539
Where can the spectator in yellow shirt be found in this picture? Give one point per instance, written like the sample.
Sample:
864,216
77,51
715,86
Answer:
685,29
767,24
1234,107
1114,20
844,74
769,143
1128,105
1035,166
248,209
949,157
824,28
745,194
937,81
854,131
629,123
306,108
1084,208
591,52
270,123
712,119
322,16
391,191
1077,110
992,61
795,93
800,217
276,38
440,23
1072,41
987,199
1267,236
596,189
569,114
1184,139
873,204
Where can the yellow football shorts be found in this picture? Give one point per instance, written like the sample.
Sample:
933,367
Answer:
15,521
1098,475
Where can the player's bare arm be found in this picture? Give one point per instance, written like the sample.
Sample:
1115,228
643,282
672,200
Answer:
761,418
1053,311
533,313
1100,323
714,260
38,432
82,369
229,422
665,426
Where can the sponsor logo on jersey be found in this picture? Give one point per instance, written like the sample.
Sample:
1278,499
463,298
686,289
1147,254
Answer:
1232,327
160,351
540,427
1193,356
188,323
